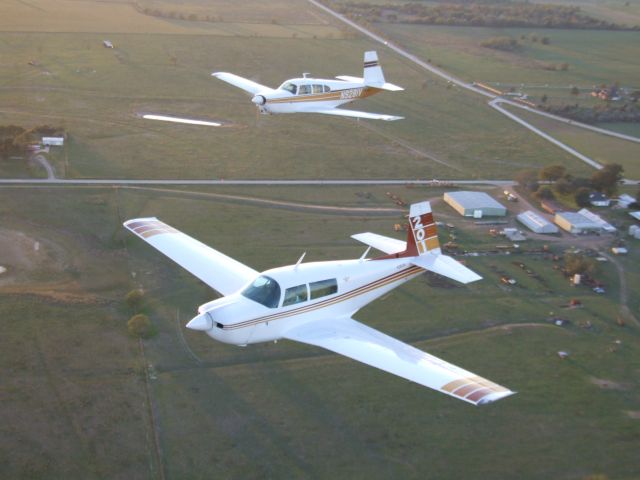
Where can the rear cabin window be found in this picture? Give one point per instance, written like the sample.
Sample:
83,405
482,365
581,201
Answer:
317,88
326,88
304,89
295,295
323,288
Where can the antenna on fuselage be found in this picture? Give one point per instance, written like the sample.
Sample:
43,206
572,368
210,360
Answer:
304,75
299,261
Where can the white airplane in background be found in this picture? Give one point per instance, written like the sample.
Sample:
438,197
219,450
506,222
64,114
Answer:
313,302
316,95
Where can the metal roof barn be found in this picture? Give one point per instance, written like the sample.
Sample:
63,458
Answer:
536,223
475,204
574,222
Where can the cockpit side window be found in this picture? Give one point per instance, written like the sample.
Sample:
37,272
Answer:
317,88
290,87
264,290
295,295
326,88
323,288
304,89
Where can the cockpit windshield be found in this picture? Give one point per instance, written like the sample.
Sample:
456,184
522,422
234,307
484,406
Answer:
289,87
265,291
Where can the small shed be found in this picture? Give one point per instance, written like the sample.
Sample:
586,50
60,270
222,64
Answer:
635,215
107,44
551,206
625,200
634,231
574,222
536,223
475,204
598,199
53,141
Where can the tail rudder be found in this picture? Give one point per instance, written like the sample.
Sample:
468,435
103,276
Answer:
372,70
422,237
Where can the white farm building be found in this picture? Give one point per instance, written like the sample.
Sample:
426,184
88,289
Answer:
475,204
574,222
606,226
536,223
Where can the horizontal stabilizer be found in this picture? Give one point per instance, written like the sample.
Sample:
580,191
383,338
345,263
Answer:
382,86
447,267
380,242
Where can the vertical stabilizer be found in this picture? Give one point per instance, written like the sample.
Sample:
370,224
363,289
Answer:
373,75
422,237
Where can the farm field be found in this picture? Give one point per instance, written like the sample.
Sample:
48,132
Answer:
81,398
99,94
594,57
601,148
252,412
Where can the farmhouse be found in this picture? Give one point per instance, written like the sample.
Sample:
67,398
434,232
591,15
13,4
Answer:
598,199
574,222
536,223
53,141
474,204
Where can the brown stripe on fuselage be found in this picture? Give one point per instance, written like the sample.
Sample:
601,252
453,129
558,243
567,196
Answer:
330,301
333,95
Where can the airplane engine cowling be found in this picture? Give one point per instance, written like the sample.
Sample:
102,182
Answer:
259,100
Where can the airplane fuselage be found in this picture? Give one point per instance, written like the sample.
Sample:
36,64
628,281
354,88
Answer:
239,320
308,94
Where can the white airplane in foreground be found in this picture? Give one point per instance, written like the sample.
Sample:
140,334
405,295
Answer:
316,95
313,302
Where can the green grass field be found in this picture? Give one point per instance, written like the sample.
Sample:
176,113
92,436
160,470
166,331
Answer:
601,148
273,409
98,94
594,57
74,396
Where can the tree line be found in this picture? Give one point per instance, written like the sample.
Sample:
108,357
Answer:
14,139
554,182
476,14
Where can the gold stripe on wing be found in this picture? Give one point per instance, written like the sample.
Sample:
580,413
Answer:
157,231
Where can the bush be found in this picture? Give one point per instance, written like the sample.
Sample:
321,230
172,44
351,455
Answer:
134,299
552,172
139,326
500,43
574,263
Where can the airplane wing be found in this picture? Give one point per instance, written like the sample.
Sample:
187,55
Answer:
222,273
240,82
364,344
356,114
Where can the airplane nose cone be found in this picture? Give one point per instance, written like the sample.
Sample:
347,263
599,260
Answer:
259,100
202,322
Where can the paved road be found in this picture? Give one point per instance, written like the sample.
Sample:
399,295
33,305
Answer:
115,182
495,99
41,159
495,103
